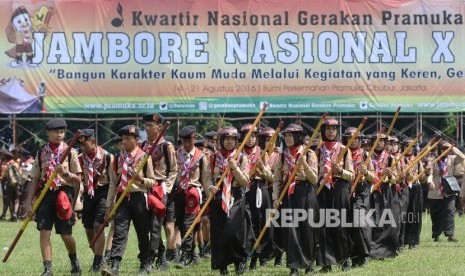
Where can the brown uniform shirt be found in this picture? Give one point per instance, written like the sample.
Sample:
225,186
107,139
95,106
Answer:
241,174
307,172
102,169
39,173
435,178
160,164
194,173
149,177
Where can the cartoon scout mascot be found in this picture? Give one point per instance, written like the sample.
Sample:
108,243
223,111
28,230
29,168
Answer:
20,31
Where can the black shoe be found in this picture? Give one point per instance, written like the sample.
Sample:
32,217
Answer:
114,270
452,239
240,268
2,217
75,267
201,251
346,265
411,246
13,218
364,262
224,271
253,263
144,268
193,260
436,239
207,251
326,269
294,272
309,270
47,269
170,255
278,261
263,263
183,261
97,264
162,264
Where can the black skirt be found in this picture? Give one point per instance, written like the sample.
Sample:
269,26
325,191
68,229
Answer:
414,215
259,217
335,242
231,236
301,241
361,233
385,238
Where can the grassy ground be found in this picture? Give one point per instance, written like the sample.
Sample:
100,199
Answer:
429,258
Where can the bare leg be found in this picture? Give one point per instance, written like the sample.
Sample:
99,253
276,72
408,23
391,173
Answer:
45,245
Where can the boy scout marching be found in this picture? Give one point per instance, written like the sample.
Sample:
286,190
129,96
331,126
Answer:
153,185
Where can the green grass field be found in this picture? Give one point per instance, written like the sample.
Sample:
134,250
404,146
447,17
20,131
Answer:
429,258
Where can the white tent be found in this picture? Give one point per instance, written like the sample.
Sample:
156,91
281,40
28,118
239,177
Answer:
15,99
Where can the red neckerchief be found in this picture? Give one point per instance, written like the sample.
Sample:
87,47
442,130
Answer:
221,162
328,151
186,166
379,163
51,154
253,154
125,161
290,157
157,153
357,158
91,163
273,159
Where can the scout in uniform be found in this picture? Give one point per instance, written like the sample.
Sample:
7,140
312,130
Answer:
271,161
335,243
230,230
26,195
360,201
12,183
165,171
385,238
301,240
412,217
442,205
212,137
4,170
193,173
95,162
134,206
55,208
257,197
118,142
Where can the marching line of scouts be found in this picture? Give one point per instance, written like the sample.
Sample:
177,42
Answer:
171,187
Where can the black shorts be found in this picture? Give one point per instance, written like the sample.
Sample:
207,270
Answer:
46,215
93,209
170,216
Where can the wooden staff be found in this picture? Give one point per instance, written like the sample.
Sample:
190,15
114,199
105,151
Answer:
288,183
51,179
434,162
397,160
226,171
267,148
341,155
273,139
367,160
140,166
420,156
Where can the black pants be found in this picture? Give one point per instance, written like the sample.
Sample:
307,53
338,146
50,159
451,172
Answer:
157,248
442,216
133,208
184,222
